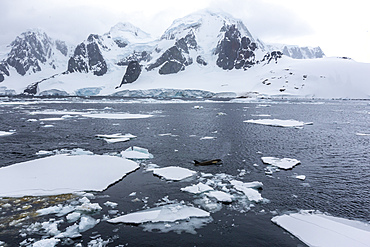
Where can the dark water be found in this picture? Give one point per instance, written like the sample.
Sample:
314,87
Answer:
334,159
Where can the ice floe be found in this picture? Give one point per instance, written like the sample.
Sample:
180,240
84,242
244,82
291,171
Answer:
113,138
317,229
174,173
6,133
63,174
284,163
136,153
197,188
208,138
49,242
117,115
247,189
362,134
279,122
300,177
220,196
166,213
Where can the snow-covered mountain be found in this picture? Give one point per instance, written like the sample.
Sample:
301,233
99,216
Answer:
209,51
32,52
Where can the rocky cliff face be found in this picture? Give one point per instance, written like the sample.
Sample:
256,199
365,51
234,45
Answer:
88,57
235,51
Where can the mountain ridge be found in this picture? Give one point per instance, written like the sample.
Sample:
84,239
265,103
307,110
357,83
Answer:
200,43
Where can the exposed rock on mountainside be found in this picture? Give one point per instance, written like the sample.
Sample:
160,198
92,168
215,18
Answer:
31,52
132,73
88,57
235,51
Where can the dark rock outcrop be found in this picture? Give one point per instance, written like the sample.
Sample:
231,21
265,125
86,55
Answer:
88,57
176,57
120,43
201,61
235,51
274,55
28,51
172,54
171,67
132,73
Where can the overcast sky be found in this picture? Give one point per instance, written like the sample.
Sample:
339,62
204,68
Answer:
340,28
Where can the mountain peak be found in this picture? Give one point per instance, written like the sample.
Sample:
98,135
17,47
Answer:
209,21
127,31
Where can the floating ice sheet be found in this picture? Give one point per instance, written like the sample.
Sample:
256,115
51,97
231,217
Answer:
278,122
197,188
284,163
220,196
5,133
247,189
117,115
173,173
113,138
62,174
167,213
136,153
317,229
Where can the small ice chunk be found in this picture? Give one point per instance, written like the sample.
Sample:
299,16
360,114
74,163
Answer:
132,194
255,184
86,223
111,204
167,213
208,204
52,119
136,153
198,107
300,177
48,126
59,210
362,134
173,173
113,138
208,138
279,122
43,152
317,229
221,196
89,207
70,232
197,188
49,242
206,175
284,163
32,120
72,217
252,194
6,133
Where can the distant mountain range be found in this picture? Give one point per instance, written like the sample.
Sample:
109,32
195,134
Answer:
208,52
